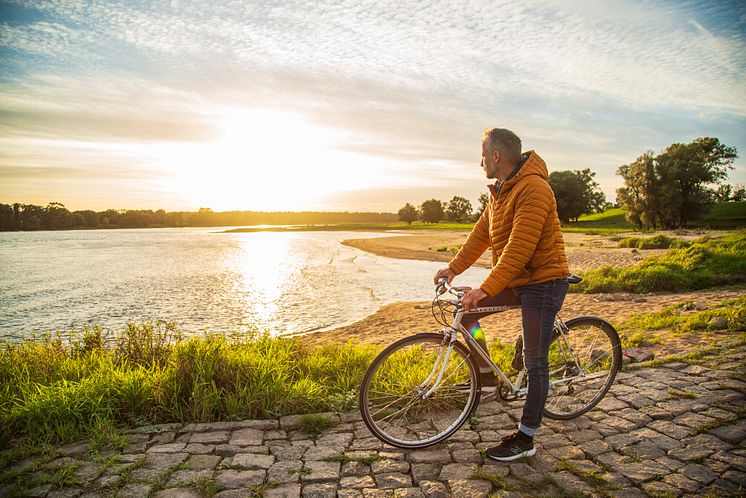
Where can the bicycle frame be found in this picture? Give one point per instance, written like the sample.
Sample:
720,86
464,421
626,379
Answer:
457,329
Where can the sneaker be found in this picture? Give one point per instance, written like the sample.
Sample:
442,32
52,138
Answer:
512,448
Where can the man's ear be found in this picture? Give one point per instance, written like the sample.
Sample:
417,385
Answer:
496,156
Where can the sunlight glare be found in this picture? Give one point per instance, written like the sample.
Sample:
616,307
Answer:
265,266
265,160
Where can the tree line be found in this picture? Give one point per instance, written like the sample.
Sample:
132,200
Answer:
576,192
54,216
663,191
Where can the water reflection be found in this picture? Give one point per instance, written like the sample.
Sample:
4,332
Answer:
265,266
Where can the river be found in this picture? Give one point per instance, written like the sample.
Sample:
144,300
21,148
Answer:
201,278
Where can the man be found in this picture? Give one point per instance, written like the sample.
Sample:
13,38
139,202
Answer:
529,269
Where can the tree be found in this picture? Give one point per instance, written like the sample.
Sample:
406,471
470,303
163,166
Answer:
432,211
722,193
739,193
408,213
459,209
484,199
576,193
675,187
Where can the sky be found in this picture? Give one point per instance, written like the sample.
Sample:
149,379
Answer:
348,105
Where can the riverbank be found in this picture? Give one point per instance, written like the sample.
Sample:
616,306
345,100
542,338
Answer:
584,251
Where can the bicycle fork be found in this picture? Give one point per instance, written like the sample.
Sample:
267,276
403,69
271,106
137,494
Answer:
440,367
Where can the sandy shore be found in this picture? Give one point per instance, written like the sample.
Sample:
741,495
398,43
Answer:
584,252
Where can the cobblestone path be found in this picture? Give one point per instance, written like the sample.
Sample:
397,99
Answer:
671,430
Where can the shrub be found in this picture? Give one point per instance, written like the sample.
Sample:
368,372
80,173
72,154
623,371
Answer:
708,262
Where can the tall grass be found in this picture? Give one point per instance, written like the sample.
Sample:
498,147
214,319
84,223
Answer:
708,262
55,390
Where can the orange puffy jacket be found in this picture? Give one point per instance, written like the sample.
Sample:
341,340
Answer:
522,227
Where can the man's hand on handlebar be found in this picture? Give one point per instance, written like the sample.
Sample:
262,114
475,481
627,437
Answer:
472,298
444,273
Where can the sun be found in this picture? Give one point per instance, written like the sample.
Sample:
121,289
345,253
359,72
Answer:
264,160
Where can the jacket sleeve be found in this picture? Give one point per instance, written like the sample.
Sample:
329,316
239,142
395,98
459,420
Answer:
475,245
532,207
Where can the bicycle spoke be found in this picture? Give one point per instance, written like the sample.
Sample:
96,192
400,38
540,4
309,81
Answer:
393,409
580,375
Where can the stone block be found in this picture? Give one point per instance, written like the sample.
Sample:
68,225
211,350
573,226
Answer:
246,437
319,490
253,461
393,480
456,471
469,488
321,471
215,437
233,479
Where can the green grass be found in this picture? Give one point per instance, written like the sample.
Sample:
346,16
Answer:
610,221
55,390
592,477
676,394
708,262
639,339
723,216
207,487
315,424
451,249
727,215
675,318
497,482
656,242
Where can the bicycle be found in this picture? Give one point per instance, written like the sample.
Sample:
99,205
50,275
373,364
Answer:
421,389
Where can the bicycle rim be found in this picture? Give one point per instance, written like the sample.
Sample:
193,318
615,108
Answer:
391,395
579,381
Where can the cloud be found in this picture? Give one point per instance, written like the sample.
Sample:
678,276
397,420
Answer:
592,85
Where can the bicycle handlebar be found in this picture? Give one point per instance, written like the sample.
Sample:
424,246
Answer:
443,286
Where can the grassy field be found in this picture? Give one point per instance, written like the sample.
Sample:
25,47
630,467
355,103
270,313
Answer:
727,215
610,221
708,262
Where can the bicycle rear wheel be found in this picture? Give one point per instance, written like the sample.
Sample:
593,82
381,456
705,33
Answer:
581,375
393,396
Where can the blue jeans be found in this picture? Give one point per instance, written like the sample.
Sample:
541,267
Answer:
539,306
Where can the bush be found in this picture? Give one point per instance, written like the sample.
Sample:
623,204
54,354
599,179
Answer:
657,242
708,262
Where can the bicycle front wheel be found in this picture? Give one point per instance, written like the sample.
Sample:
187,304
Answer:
582,366
419,391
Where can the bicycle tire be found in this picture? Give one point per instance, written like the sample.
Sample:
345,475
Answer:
566,400
410,435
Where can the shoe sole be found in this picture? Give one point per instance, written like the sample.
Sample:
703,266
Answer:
527,453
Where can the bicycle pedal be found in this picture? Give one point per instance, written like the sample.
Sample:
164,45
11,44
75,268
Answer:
490,397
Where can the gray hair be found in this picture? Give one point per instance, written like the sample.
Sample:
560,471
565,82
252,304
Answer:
505,141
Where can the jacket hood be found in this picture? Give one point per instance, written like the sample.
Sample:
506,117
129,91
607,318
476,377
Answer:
533,165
